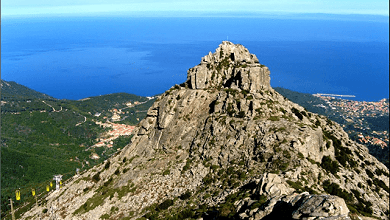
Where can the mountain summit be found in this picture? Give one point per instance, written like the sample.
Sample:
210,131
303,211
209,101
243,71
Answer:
231,66
225,145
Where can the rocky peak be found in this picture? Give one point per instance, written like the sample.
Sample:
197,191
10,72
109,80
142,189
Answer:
235,52
225,145
230,66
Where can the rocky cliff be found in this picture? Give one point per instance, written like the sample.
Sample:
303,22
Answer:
225,145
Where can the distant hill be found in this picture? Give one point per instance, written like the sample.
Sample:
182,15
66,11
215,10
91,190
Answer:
104,102
18,98
15,91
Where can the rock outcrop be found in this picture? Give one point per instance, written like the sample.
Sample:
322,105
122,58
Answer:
299,206
225,145
231,66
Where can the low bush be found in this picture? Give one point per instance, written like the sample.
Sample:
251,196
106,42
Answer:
297,113
165,205
107,165
185,195
273,118
334,189
96,177
330,165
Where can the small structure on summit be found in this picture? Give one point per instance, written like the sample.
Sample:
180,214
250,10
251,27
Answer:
230,66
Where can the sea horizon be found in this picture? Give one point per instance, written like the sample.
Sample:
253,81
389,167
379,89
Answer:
79,57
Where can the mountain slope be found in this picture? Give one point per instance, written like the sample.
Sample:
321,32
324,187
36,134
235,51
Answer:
15,91
225,145
369,119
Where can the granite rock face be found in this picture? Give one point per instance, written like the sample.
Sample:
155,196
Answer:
300,206
225,145
231,66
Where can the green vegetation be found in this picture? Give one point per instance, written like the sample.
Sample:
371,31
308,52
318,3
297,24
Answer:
14,91
241,114
330,165
186,195
43,136
187,166
297,113
334,189
223,64
343,154
96,177
104,192
273,118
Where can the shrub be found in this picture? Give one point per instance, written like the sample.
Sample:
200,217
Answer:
207,179
381,184
96,177
369,173
296,185
282,110
166,172
165,205
330,165
108,182
241,114
105,216
297,113
334,189
273,118
107,165
187,166
245,92
185,196
262,199
230,109
214,167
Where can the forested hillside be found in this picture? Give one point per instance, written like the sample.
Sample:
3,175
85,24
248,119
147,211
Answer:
42,136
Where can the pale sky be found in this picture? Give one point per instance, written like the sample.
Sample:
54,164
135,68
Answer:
113,7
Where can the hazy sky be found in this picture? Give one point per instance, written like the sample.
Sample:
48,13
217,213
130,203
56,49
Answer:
85,7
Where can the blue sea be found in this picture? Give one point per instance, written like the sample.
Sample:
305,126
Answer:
78,57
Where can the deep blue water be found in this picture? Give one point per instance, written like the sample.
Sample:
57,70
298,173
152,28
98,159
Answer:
77,57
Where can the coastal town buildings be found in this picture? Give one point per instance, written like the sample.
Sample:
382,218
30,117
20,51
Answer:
357,114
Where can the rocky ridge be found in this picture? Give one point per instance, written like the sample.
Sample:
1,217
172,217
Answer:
225,145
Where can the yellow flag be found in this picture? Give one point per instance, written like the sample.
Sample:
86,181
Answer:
51,184
33,192
47,188
17,192
60,184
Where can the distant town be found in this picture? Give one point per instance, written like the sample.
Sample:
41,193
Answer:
356,113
